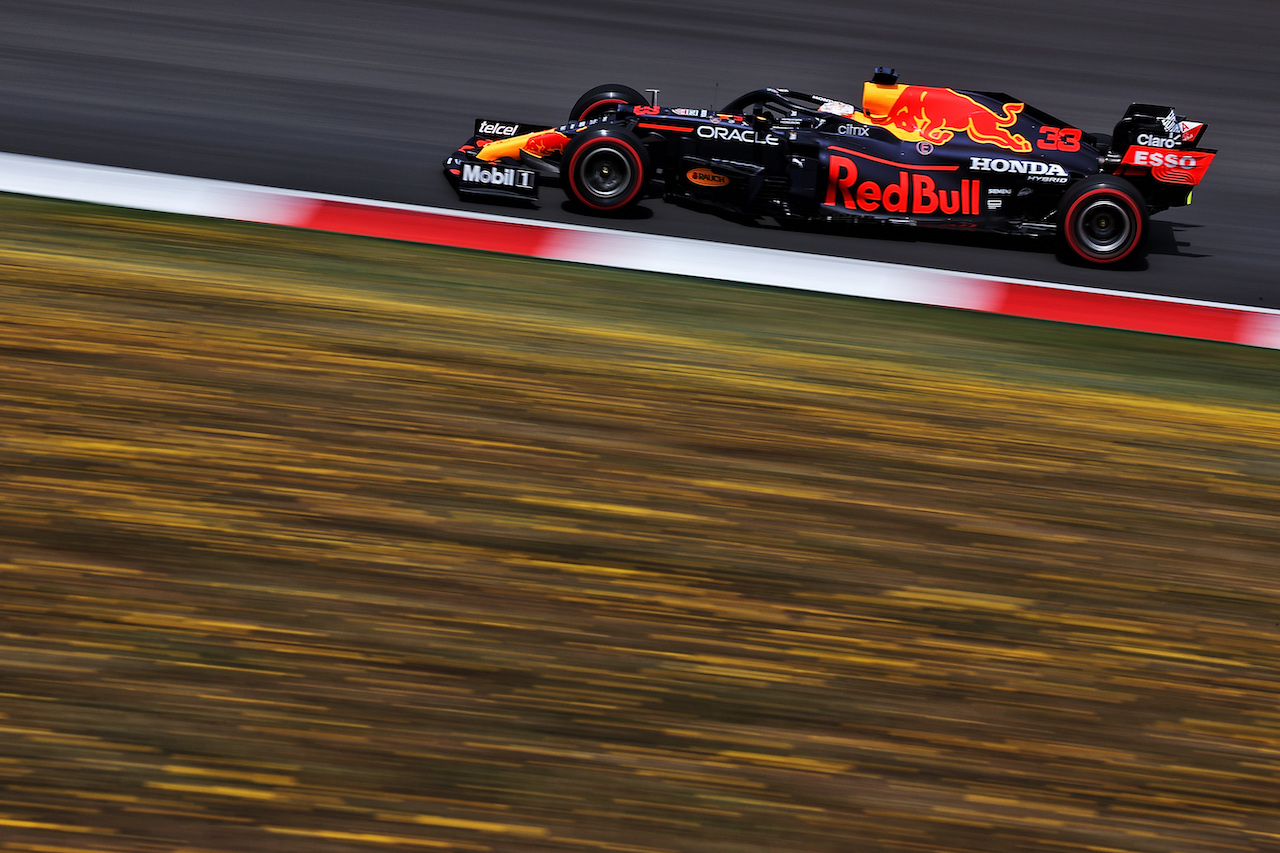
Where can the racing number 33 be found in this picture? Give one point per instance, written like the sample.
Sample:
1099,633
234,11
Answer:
1059,139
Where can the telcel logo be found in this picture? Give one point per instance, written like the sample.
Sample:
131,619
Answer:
498,129
735,134
706,178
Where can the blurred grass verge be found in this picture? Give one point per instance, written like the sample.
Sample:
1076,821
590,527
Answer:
312,543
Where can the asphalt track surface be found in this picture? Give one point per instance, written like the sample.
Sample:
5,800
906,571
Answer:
365,98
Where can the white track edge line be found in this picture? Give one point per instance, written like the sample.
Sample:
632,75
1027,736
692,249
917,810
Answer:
116,186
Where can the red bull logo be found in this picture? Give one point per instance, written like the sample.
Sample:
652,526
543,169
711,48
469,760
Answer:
547,142
916,192
929,114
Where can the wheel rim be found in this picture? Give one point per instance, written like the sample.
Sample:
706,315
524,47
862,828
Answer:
1104,226
606,173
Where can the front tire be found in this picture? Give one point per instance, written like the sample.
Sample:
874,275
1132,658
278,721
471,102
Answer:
603,100
605,169
1102,221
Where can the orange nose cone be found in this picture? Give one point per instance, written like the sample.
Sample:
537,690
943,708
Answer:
539,144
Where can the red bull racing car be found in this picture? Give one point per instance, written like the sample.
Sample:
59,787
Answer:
907,155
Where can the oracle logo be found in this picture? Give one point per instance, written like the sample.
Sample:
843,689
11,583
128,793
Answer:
734,134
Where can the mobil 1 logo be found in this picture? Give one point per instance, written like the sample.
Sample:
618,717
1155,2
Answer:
492,178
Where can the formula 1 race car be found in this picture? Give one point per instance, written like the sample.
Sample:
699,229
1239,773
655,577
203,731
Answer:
907,155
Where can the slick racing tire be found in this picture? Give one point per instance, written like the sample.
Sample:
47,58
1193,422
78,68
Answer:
603,100
605,169
1102,220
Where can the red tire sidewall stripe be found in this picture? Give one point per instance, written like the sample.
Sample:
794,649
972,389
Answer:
598,104
599,140
1135,216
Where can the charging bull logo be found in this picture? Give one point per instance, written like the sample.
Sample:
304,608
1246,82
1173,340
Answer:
539,144
928,114
547,142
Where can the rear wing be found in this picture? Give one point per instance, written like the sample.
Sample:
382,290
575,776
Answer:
1157,127
1156,141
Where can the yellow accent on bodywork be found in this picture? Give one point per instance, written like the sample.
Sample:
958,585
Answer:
878,98
539,143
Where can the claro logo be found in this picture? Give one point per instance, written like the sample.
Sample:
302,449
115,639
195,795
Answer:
1157,141
736,134
706,178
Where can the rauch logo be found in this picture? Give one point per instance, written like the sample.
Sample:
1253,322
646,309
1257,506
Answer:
706,178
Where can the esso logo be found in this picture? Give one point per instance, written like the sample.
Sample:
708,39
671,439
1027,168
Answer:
1168,159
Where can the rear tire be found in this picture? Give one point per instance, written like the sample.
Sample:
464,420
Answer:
1102,221
603,100
605,169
